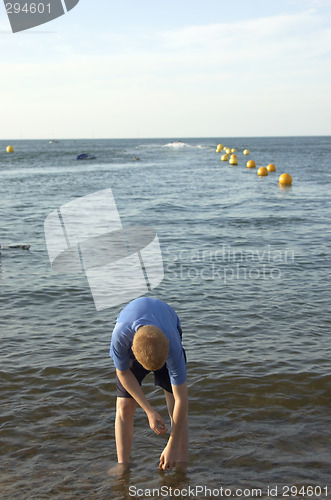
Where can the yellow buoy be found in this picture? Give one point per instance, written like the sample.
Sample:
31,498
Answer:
220,146
251,164
285,179
246,152
262,171
228,151
271,167
233,161
233,150
225,157
9,149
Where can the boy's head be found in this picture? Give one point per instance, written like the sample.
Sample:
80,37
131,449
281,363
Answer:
150,347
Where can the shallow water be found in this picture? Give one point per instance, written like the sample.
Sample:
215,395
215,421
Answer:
247,268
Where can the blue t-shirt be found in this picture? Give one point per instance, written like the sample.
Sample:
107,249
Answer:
148,311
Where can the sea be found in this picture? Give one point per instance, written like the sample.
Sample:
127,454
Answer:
246,266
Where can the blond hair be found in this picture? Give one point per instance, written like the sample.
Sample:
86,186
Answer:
150,347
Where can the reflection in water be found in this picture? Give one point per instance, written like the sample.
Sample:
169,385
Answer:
120,483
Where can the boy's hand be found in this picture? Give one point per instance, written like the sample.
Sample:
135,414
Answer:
156,422
168,457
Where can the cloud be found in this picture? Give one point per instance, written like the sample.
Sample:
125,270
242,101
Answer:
253,39
284,46
280,40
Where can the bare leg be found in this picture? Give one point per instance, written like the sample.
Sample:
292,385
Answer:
170,400
182,463
125,409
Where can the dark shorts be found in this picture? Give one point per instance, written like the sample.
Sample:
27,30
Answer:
161,377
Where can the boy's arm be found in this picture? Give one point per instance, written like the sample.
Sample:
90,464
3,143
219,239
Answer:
176,448
130,383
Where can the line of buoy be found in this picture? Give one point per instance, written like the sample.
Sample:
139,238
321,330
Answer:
284,180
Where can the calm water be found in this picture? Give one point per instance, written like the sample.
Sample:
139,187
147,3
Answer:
247,270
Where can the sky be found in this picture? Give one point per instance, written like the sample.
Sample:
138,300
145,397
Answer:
169,68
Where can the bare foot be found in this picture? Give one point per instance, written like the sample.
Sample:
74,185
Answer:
119,469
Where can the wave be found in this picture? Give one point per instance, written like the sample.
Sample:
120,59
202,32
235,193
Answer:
176,144
180,144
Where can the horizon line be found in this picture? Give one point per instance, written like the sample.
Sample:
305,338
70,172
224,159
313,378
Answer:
160,137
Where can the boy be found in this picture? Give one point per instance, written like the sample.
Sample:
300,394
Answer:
147,337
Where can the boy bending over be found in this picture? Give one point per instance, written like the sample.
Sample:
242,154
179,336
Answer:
147,338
